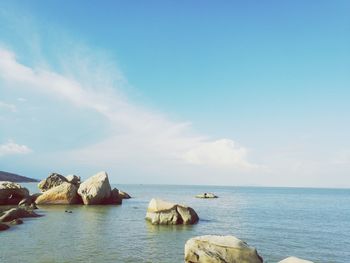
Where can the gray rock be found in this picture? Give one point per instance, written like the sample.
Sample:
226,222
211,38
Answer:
206,195
3,227
12,193
15,213
219,249
124,195
160,212
51,181
16,222
95,190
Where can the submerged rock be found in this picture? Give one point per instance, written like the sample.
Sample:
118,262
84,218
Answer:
294,260
65,193
206,195
51,181
220,249
95,190
3,227
124,195
12,193
165,213
15,213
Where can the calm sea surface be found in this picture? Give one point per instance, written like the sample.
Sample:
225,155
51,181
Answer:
308,223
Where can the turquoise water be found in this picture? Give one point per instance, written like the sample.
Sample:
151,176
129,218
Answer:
308,223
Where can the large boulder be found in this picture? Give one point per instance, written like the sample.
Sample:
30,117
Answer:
65,193
219,249
206,195
294,260
95,190
124,195
73,179
51,181
12,193
160,212
15,213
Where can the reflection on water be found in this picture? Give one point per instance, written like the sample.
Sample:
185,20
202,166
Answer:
278,221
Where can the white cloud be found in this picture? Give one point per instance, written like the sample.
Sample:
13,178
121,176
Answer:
141,135
7,106
12,148
223,152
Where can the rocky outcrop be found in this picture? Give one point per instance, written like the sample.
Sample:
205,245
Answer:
73,179
51,181
3,227
16,213
96,190
160,212
65,193
114,198
124,195
219,249
294,260
206,195
12,193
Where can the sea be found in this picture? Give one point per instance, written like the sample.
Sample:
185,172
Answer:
309,223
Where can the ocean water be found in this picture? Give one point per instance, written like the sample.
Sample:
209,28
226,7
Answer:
279,222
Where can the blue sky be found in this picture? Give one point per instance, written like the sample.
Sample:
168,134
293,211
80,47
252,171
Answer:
186,92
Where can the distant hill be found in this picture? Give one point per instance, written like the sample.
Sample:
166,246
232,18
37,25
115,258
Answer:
4,176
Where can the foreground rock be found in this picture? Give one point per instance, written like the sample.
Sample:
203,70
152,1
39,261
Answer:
12,193
294,260
3,227
207,195
63,194
124,195
160,212
51,181
220,249
16,213
96,190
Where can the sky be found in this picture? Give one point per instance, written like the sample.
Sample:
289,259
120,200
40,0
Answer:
245,93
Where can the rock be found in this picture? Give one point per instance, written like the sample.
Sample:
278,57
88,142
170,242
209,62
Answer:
27,203
65,193
220,249
15,213
3,227
12,193
51,181
95,190
114,198
16,222
160,212
124,195
294,260
73,179
207,195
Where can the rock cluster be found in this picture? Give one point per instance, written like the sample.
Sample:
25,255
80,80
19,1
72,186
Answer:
160,212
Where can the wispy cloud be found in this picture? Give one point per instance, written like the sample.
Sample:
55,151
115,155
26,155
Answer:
12,148
8,106
140,135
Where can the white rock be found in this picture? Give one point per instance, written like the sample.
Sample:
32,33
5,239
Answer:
294,260
160,212
219,249
95,190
